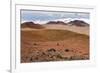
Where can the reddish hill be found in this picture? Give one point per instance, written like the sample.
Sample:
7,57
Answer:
78,23
53,45
31,25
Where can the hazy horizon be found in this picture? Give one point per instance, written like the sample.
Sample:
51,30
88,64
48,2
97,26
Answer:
45,16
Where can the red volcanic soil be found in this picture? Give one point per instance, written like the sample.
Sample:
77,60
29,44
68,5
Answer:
53,45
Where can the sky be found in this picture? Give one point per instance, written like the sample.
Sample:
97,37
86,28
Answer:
40,16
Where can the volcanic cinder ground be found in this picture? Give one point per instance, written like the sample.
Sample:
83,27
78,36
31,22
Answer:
54,43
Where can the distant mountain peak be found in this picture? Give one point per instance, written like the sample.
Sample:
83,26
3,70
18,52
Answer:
78,23
56,22
31,25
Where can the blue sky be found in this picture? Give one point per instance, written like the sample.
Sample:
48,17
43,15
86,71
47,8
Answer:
31,15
